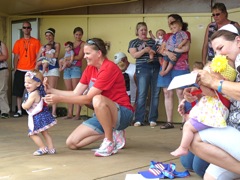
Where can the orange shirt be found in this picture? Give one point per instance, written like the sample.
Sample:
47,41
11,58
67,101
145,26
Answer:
27,49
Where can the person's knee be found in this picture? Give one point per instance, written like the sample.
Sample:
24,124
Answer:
70,144
199,170
167,94
208,177
98,102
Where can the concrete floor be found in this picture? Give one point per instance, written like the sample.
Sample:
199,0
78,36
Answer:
143,145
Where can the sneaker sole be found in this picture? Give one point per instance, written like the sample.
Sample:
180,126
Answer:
124,138
104,155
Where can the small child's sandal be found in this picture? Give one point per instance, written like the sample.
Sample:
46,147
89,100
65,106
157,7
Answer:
52,151
40,152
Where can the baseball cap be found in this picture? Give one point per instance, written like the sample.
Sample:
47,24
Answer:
118,57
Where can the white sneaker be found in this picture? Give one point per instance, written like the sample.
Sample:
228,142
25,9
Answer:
137,124
107,148
119,138
153,124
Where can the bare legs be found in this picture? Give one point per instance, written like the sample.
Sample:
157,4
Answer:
168,102
19,103
70,86
166,68
45,67
82,136
53,83
187,137
106,112
39,142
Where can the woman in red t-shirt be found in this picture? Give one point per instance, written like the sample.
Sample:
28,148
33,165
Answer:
106,93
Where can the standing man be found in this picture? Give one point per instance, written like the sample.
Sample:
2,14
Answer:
25,52
4,74
122,61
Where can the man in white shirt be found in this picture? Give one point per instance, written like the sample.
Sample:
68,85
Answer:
122,61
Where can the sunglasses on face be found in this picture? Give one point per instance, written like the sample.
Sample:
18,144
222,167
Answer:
217,14
26,27
91,42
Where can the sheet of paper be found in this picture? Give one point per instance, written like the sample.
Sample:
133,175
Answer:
137,177
183,80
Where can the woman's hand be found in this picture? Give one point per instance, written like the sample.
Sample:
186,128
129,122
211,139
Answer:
172,56
51,99
46,85
205,78
147,49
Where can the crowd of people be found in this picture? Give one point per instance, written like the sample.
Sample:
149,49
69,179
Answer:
120,91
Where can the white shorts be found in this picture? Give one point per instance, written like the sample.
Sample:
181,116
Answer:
227,139
52,72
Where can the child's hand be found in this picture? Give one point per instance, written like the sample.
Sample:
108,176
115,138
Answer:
179,46
181,110
187,92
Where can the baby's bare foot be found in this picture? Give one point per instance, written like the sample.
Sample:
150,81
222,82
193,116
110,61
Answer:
180,152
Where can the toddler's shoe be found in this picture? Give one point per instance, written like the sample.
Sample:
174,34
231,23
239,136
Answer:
52,151
41,152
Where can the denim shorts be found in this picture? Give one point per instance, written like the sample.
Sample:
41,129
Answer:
73,72
125,117
52,72
164,81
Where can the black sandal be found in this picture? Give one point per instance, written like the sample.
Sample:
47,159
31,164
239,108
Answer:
17,115
168,125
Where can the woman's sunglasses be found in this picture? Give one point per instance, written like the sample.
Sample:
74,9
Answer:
91,42
217,14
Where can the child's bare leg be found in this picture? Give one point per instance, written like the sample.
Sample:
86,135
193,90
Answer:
167,70
187,137
38,64
38,141
64,65
164,66
48,139
60,65
45,66
151,55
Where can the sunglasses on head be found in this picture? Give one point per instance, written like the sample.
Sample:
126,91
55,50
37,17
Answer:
91,42
28,27
217,14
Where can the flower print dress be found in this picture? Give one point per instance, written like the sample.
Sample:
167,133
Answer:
210,111
39,118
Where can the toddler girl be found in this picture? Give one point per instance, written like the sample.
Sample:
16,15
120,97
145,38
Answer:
39,117
47,58
67,60
212,109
